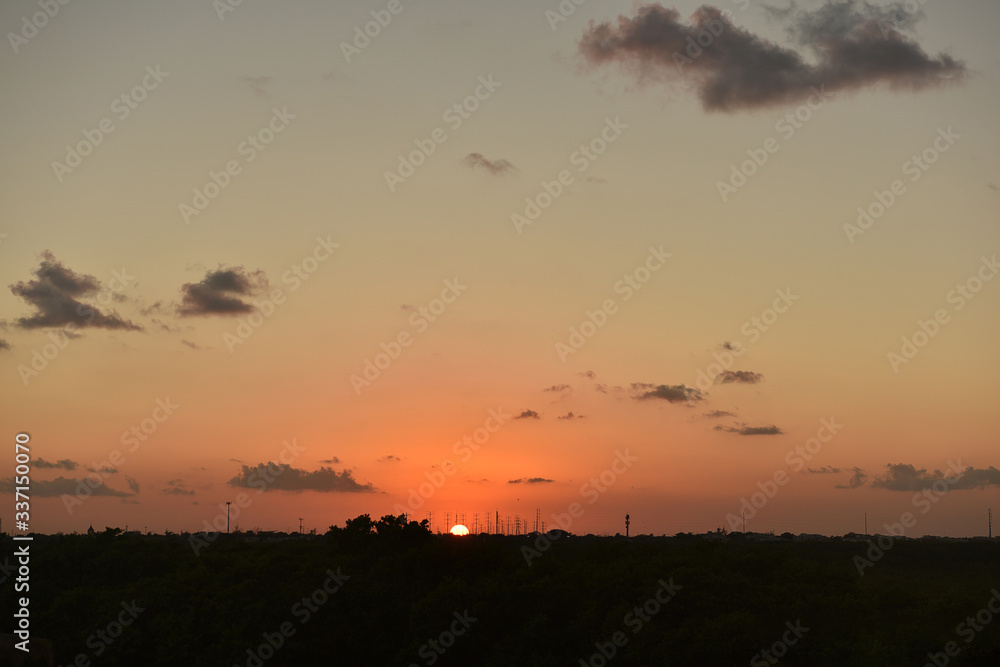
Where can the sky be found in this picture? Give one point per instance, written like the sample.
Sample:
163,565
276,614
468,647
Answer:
528,259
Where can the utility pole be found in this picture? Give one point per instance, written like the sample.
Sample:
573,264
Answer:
626,525
991,523
744,521
228,503
300,525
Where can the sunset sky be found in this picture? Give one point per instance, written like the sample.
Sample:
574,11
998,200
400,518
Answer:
655,243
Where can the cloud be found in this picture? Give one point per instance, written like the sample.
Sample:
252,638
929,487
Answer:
528,414
133,484
280,477
389,458
177,491
65,464
4,345
590,375
858,479
743,429
193,346
558,388
853,45
906,477
677,393
494,167
531,480
825,470
716,414
258,84
570,415
221,292
739,377
55,294
333,460
63,485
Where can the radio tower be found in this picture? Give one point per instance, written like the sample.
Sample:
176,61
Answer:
538,517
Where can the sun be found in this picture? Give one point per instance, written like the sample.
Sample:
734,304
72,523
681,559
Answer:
459,529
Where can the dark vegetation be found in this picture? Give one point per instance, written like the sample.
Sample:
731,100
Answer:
405,587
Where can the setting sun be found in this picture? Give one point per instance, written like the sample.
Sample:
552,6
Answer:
459,529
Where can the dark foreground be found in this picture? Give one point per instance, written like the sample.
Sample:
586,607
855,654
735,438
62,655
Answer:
410,598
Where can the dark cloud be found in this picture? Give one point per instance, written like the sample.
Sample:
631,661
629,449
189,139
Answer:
333,460
858,479
742,429
494,167
590,375
739,377
853,45
55,294
905,477
558,388
731,346
389,458
677,393
65,464
571,415
528,414
133,484
177,491
280,477
258,84
193,346
717,414
4,345
531,480
221,292
62,486
825,470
